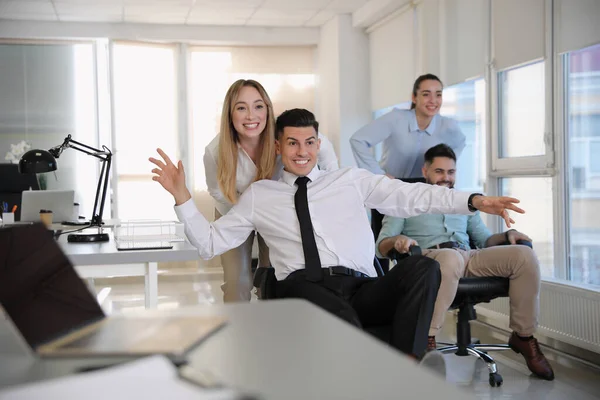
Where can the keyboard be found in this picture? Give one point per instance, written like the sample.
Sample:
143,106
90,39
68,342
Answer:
143,245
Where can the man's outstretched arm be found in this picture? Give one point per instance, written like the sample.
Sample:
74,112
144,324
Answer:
227,233
399,199
213,239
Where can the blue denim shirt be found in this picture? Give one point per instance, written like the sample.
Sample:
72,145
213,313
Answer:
431,229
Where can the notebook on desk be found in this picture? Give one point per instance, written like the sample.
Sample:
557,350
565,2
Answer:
56,314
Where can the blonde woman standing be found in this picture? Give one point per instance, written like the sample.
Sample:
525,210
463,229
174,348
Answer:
244,152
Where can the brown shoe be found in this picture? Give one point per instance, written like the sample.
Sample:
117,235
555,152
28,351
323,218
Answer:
431,345
535,359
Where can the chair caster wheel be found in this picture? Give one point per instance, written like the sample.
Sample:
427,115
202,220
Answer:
495,379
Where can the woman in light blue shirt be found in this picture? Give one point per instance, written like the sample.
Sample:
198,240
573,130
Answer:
407,134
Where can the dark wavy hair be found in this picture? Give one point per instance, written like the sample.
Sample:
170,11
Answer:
441,150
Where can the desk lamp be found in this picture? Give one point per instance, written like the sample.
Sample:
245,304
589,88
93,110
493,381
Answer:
40,161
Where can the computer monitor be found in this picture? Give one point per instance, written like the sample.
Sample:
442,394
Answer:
12,184
12,181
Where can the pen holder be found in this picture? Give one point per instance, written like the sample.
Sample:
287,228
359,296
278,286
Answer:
8,218
46,217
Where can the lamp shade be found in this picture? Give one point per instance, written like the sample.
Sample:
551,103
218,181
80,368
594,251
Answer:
37,161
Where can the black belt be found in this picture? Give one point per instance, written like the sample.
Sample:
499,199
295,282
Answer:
339,270
332,271
450,245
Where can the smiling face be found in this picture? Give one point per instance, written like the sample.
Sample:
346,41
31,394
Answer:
428,99
298,147
249,114
441,171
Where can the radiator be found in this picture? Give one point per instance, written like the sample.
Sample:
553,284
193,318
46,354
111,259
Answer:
568,313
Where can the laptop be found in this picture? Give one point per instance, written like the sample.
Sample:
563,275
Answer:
57,316
59,201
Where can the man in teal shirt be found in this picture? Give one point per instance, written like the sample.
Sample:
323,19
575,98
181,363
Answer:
447,238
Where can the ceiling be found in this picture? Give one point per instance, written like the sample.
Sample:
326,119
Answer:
269,13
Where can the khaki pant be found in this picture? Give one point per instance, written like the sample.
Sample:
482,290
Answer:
237,268
518,263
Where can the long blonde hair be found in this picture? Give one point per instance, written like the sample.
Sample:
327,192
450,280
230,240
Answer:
229,138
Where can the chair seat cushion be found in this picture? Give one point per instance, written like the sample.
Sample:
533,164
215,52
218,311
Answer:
480,289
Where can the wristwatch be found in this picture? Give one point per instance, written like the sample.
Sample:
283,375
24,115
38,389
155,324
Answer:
470,201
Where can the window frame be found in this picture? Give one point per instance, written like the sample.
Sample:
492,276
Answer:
528,165
552,163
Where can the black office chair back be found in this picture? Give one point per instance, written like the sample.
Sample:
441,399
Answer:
376,224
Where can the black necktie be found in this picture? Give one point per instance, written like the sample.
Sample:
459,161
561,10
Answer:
309,246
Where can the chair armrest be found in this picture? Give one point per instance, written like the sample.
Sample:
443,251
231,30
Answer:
521,242
396,255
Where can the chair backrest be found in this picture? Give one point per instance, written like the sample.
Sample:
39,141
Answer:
377,217
376,224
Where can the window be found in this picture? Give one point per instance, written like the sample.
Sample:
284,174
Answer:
522,111
583,141
465,103
400,106
145,104
535,194
47,91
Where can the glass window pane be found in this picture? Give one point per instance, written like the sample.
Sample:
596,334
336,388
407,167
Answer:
594,161
145,98
48,91
465,103
144,199
583,89
522,112
535,194
400,106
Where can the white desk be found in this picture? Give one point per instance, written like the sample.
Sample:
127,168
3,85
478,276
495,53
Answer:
96,260
278,349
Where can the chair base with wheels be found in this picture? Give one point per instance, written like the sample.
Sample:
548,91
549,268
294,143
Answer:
470,292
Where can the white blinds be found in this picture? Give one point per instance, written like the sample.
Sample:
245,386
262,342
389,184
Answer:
464,31
428,14
518,31
578,24
392,61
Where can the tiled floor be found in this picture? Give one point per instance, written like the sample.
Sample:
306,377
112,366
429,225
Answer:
575,380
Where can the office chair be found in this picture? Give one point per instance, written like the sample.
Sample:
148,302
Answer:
471,291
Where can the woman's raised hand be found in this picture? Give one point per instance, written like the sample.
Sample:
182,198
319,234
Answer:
171,177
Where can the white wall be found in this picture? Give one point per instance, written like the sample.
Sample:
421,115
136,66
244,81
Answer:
355,99
343,100
328,83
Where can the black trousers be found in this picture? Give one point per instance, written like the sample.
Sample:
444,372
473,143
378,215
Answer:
403,298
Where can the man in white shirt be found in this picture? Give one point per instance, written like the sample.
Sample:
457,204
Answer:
322,247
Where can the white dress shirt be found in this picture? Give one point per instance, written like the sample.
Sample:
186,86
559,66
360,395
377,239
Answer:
246,170
404,144
336,201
